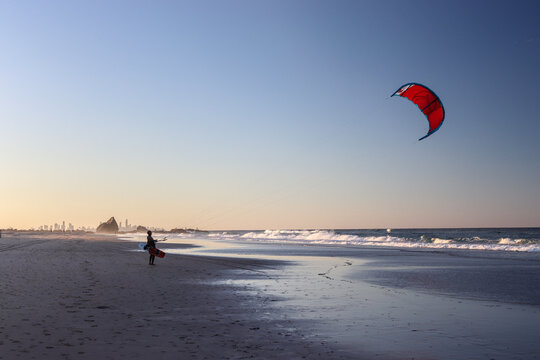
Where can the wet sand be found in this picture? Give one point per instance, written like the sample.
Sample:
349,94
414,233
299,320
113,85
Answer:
88,297
392,303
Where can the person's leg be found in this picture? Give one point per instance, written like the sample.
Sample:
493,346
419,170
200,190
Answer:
150,260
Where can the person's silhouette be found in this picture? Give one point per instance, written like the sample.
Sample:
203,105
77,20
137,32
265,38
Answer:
150,244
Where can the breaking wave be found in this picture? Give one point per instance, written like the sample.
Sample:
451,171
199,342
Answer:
395,238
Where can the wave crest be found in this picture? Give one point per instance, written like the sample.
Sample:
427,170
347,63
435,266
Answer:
331,237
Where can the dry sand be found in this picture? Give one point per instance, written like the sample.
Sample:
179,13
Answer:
85,296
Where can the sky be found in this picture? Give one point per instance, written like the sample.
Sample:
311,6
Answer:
268,114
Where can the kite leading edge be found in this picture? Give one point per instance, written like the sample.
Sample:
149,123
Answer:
428,102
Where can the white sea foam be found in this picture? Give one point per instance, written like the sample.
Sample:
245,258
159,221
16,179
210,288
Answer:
441,241
311,236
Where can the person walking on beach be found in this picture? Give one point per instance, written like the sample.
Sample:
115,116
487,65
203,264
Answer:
150,244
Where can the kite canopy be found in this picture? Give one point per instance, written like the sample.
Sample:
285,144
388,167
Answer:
427,101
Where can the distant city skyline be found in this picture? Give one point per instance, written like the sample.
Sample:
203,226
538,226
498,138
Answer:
63,227
122,226
268,115
71,227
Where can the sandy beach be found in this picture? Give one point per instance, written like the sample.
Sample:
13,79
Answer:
89,297
94,296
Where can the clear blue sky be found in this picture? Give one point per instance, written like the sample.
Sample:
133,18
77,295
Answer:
268,114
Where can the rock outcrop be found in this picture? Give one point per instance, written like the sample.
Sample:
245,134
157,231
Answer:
108,227
141,229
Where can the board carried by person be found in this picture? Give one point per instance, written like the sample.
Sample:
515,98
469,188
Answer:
156,252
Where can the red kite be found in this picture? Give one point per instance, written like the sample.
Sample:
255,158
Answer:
428,102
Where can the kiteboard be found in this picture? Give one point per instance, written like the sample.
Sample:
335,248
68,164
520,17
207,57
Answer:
155,251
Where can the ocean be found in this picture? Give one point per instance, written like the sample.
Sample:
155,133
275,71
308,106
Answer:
496,239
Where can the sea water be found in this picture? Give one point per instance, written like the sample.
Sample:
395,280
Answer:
497,239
